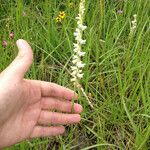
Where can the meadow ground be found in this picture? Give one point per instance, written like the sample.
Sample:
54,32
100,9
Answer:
116,75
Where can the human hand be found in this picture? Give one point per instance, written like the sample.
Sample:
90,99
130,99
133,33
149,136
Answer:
25,104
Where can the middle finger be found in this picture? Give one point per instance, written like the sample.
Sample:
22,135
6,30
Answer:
60,105
47,117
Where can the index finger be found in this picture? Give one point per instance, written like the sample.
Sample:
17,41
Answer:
55,90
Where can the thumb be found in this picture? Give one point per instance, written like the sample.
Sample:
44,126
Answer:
22,62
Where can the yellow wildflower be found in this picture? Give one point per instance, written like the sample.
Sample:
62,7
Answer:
58,19
71,5
62,14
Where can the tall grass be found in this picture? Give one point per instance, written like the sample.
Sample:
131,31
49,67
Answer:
116,76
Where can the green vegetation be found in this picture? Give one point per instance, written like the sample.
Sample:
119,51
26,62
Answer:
116,75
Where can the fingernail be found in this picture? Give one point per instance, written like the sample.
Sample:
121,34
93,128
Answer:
75,96
78,108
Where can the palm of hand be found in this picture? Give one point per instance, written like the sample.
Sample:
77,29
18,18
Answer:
25,105
23,110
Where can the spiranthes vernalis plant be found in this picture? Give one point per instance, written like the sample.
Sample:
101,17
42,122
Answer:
133,25
78,54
